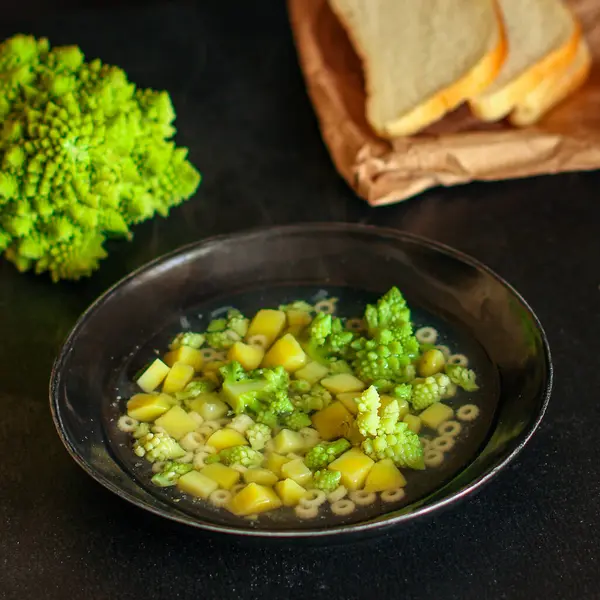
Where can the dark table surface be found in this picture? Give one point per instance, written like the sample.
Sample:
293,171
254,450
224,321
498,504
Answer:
243,111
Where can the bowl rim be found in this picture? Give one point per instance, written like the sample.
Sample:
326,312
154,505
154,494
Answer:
383,522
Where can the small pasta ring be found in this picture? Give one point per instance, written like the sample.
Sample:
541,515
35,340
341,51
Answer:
443,443
326,306
426,335
458,359
313,498
467,412
306,512
450,428
444,350
343,507
362,498
127,424
236,488
258,341
220,498
433,458
393,495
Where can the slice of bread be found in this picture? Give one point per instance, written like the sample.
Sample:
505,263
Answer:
422,58
543,37
553,89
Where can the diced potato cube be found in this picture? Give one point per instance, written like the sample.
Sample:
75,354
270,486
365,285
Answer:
298,318
176,422
297,470
185,355
261,476
224,476
354,466
313,372
287,353
413,422
383,476
349,400
209,406
147,407
333,421
287,441
290,492
433,416
275,462
213,366
197,484
404,409
343,382
225,438
178,377
248,356
268,323
153,376
235,393
254,499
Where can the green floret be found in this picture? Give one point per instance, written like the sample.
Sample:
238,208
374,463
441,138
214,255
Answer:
258,435
328,339
297,420
402,446
319,456
299,386
280,403
389,417
367,418
429,390
158,446
462,377
170,473
383,358
390,312
237,455
316,398
141,430
299,305
84,156
326,480
268,418
187,338
319,329
223,333
194,388
403,391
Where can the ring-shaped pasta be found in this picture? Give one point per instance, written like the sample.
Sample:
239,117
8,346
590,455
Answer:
362,498
337,494
313,498
326,306
458,359
451,428
343,507
199,461
306,512
393,495
426,335
192,441
127,424
444,350
220,498
443,443
433,458
467,412
258,341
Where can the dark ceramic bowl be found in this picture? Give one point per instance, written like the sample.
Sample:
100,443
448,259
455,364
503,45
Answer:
476,312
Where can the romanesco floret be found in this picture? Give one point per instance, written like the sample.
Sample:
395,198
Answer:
316,398
403,391
299,386
237,455
326,480
297,420
194,388
141,430
158,446
429,390
258,435
319,456
339,366
390,413
462,377
319,329
390,312
268,418
170,473
84,155
280,403
223,333
187,338
367,419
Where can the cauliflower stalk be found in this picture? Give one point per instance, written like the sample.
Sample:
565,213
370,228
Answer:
84,155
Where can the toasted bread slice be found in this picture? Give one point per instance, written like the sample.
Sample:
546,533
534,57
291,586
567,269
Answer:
553,89
543,37
422,58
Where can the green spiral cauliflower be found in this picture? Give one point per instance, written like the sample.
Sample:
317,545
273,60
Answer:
84,155
326,480
315,398
367,418
223,333
297,420
187,338
429,390
462,377
237,455
258,435
157,447
319,456
170,473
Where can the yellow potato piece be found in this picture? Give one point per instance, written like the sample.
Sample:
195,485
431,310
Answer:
254,499
289,491
298,318
287,353
224,476
267,322
413,422
384,475
287,441
275,461
153,376
176,422
209,406
225,438
196,484
185,355
343,382
178,377
354,465
261,476
349,400
433,416
333,422
147,407
248,356
313,372
297,470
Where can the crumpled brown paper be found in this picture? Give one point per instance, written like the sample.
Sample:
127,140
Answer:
456,150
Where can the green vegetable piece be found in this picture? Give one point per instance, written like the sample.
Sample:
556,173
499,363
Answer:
238,455
297,420
326,480
258,435
462,377
429,390
170,473
187,338
319,456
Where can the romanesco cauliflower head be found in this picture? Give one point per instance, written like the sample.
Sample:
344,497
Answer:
402,446
297,420
187,338
319,456
223,333
367,418
170,473
158,446
429,390
462,377
326,480
238,455
316,398
83,156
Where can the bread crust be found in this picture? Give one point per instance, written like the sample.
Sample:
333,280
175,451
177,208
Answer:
433,109
494,107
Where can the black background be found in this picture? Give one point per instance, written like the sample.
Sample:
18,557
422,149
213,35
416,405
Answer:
242,110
